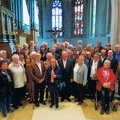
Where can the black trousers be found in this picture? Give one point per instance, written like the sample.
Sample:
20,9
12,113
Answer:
92,87
39,89
80,92
18,94
66,92
106,97
54,95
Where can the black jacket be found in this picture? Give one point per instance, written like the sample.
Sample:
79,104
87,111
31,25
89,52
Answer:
6,88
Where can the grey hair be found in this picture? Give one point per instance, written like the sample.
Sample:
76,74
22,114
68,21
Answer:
15,56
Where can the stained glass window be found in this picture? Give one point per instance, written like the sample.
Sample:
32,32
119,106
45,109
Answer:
78,18
93,18
57,17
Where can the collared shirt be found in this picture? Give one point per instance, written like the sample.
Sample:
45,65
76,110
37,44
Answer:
39,66
64,63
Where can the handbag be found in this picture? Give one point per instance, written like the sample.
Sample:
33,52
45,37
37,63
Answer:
61,86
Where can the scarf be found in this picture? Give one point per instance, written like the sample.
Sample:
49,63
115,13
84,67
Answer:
106,74
8,76
52,73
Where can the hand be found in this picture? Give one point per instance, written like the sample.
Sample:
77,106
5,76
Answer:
116,81
105,85
84,84
54,76
71,80
40,81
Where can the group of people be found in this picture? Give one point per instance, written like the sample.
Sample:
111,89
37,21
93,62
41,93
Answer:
40,71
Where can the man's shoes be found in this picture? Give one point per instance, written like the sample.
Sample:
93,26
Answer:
107,112
76,100
4,115
68,99
37,104
80,103
62,99
10,110
20,104
43,102
57,106
15,106
52,104
102,112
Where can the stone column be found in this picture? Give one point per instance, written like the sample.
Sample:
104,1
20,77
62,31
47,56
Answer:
115,23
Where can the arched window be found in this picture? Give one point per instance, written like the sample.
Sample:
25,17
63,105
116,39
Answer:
92,18
57,16
78,18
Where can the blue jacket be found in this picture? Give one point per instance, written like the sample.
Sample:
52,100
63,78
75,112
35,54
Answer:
53,87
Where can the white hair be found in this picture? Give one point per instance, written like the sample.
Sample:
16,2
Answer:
25,44
32,53
2,51
15,56
107,61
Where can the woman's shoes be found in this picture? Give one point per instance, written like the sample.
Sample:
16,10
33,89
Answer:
52,104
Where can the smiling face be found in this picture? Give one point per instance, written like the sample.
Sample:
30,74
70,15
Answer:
4,65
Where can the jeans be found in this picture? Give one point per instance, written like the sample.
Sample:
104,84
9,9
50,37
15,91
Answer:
5,104
106,97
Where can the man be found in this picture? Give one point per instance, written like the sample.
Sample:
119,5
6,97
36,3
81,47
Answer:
67,74
62,48
18,49
103,55
55,55
3,56
38,75
113,60
25,49
117,52
99,43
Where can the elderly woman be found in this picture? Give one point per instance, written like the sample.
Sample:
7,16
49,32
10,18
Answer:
106,79
19,78
80,76
6,87
53,78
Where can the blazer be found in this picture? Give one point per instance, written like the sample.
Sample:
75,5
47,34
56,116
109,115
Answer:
67,72
101,81
35,72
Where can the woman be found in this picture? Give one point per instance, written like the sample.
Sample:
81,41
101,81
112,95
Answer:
80,76
6,87
19,78
53,78
30,83
105,85
43,53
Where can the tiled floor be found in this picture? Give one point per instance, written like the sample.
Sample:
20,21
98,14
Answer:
66,111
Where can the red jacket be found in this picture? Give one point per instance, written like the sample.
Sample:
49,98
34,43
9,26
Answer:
111,79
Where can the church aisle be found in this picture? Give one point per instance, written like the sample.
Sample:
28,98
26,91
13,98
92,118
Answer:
66,111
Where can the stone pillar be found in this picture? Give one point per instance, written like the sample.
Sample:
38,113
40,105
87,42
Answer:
115,23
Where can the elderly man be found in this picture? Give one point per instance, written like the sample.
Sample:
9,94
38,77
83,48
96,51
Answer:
117,52
113,60
67,74
38,76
